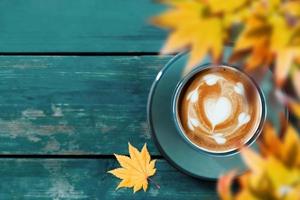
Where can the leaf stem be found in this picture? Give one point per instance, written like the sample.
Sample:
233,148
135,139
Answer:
154,182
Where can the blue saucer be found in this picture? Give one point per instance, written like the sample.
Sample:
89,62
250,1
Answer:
170,143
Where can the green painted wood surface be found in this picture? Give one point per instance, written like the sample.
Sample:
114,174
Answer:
79,26
87,179
75,105
79,105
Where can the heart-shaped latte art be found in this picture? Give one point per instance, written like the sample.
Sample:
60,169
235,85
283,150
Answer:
217,110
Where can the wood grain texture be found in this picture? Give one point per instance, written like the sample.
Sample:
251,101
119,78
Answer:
87,179
79,26
75,105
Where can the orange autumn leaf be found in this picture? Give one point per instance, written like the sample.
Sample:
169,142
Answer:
224,185
135,170
255,39
270,143
286,150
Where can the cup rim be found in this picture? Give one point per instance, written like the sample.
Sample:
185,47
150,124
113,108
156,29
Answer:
177,92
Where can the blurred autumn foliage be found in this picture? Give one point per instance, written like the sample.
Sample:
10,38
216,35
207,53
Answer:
269,35
275,174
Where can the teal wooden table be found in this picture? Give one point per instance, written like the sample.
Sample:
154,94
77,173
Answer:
74,81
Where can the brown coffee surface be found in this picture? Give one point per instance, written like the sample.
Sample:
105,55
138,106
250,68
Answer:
220,109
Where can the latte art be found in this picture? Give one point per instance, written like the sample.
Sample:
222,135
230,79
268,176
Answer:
220,109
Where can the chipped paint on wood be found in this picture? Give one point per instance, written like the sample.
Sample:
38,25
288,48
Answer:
23,128
87,179
72,105
57,111
32,113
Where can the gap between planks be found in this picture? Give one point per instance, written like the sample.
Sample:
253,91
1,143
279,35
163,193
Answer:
65,156
79,53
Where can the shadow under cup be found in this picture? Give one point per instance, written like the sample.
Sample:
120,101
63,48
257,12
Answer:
180,93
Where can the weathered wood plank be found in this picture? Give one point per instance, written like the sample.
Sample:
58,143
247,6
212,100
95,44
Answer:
75,105
79,26
87,179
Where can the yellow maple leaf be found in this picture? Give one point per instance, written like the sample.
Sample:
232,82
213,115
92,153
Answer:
192,29
220,6
135,170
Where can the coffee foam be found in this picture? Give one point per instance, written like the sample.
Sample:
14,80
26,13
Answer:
220,109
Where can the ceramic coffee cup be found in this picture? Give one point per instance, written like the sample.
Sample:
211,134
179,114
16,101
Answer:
218,120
